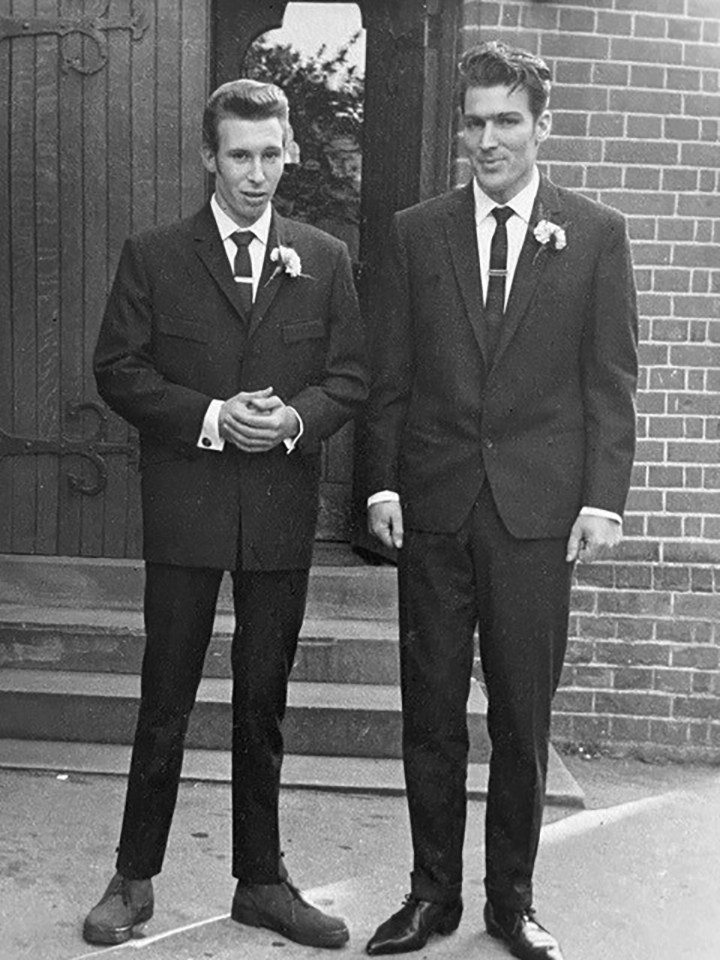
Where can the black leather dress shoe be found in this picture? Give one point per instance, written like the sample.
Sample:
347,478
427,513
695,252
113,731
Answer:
522,933
413,925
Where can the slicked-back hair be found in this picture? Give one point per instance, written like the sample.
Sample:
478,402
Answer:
495,64
247,100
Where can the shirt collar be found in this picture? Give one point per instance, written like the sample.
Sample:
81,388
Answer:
226,225
521,204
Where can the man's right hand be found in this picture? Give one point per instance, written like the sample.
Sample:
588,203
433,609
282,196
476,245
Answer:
385,521
251,420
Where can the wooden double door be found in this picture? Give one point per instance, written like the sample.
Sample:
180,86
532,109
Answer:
100,105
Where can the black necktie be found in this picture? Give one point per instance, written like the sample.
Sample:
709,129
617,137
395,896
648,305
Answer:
495,301
242,268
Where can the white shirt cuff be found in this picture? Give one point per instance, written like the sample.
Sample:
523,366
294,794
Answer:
384,496
390,496
210,438
291,442
599,512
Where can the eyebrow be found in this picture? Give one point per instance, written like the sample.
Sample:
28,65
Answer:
266,149
492,116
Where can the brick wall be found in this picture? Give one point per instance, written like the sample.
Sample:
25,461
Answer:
636,102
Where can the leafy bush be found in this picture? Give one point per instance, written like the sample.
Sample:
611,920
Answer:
326,112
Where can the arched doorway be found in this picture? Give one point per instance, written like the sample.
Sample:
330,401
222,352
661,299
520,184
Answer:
406,154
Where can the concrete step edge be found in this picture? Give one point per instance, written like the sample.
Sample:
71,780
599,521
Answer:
118,584
337,774
112,621
301,694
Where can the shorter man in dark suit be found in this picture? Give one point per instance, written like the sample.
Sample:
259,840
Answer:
232,340
501,439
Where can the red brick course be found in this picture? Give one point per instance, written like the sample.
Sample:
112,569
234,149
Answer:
636,103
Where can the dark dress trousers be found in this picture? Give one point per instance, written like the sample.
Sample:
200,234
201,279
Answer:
174,337
493,459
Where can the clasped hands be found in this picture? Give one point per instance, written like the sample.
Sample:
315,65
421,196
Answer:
589,537
256,421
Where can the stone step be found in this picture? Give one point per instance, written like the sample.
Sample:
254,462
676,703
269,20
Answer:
338,774
328,719
111,641
71,644
336,591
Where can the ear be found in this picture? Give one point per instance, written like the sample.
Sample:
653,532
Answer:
543,126
208,159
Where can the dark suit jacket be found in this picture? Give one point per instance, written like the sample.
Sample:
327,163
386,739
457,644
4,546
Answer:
551,422
174,337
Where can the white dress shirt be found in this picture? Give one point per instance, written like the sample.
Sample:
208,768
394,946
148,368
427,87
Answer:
210,438
517,226
257,246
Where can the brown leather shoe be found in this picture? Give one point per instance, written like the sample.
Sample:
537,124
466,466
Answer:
124,905
281,907
413,925
527,939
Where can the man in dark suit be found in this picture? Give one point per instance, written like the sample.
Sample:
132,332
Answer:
232,340
501,439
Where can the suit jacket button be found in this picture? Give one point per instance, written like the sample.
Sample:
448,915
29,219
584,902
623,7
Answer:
488,444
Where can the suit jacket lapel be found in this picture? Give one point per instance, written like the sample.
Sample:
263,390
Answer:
210,249
530,265
462,240
271,279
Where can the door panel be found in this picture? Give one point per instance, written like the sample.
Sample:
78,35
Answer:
99,139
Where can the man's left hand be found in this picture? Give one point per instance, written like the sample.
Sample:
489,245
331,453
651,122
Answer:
257,422
590,535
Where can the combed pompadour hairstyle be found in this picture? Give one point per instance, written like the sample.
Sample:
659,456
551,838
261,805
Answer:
247,100
494,63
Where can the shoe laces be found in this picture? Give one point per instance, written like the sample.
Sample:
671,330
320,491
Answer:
296,896
529,916
409,901
123,887
125,892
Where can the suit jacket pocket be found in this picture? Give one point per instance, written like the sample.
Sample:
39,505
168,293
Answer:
184,329
304,330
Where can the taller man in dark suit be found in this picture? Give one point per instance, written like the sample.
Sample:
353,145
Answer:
233,342
501,439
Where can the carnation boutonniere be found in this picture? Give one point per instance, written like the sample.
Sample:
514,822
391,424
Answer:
286,260
550,236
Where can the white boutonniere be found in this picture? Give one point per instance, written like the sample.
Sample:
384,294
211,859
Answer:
550,235
286,260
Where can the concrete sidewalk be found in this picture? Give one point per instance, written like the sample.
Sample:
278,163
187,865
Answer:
636,876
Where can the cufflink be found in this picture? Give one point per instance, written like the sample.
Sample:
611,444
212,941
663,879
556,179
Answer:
206,442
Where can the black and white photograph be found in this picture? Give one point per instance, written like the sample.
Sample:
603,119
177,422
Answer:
360,479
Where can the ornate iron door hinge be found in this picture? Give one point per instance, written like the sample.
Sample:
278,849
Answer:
92,27
91,449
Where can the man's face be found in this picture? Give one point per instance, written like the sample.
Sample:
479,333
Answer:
248,165
501,138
